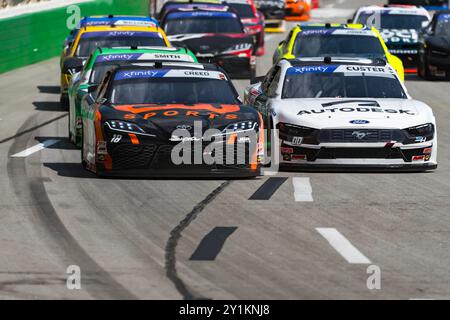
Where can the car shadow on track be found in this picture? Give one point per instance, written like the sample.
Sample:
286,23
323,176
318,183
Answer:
49,89
48,106
69,169
63,143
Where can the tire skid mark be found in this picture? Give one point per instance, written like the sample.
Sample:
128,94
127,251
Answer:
175,236
100,284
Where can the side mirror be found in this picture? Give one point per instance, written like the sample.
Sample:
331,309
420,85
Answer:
72,65
256,79
425,24
349,20
281,43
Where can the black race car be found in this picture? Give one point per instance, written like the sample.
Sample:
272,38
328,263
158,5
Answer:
170,119
434,53
213,36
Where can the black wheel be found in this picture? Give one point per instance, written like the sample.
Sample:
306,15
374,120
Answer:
424,71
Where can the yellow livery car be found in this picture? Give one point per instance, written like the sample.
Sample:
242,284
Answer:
91,37
336,40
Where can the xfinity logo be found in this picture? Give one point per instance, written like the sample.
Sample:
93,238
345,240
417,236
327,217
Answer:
110,57
121,33
147,73
311,69
359,135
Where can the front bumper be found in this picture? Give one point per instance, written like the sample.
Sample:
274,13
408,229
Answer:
153,158
365,157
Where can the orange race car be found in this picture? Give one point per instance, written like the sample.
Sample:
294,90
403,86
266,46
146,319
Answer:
298,10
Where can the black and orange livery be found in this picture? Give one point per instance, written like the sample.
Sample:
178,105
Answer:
147,137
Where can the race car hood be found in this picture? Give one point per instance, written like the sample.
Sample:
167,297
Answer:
399,37
441,43
348,113
213,43
163,120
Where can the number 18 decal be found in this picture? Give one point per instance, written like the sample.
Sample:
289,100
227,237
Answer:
116,138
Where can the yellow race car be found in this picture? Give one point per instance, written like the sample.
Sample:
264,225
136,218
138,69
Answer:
91,37
336,40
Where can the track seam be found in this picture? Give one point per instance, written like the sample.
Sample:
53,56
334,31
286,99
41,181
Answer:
175,236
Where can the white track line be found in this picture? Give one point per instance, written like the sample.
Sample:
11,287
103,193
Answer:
36,148
343,246
302,189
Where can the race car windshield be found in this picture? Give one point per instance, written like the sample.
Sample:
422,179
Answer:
87,45
340,85
395,21
337,45
172,90
443,27
243,10
203,25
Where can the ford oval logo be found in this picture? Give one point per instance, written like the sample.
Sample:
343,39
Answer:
359,122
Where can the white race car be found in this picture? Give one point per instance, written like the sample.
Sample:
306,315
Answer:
340,113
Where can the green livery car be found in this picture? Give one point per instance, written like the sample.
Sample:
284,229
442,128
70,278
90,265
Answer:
102,60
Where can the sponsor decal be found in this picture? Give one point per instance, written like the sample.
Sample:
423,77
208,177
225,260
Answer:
365,69
137,74
352,110
105,34
406,36
352,106
311,69
359,122
297,157
286,150
175,73
118,57
203,14
316,32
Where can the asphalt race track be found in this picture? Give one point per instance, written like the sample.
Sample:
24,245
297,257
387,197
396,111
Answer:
290,236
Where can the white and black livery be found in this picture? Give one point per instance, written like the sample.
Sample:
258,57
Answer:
399,27
341,113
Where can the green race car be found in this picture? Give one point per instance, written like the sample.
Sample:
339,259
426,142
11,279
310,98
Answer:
104,59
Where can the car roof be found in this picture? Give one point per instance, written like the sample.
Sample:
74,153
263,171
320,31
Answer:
143,50
200,12
343,26
169,65
396,9
111,19
120,28
302,62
